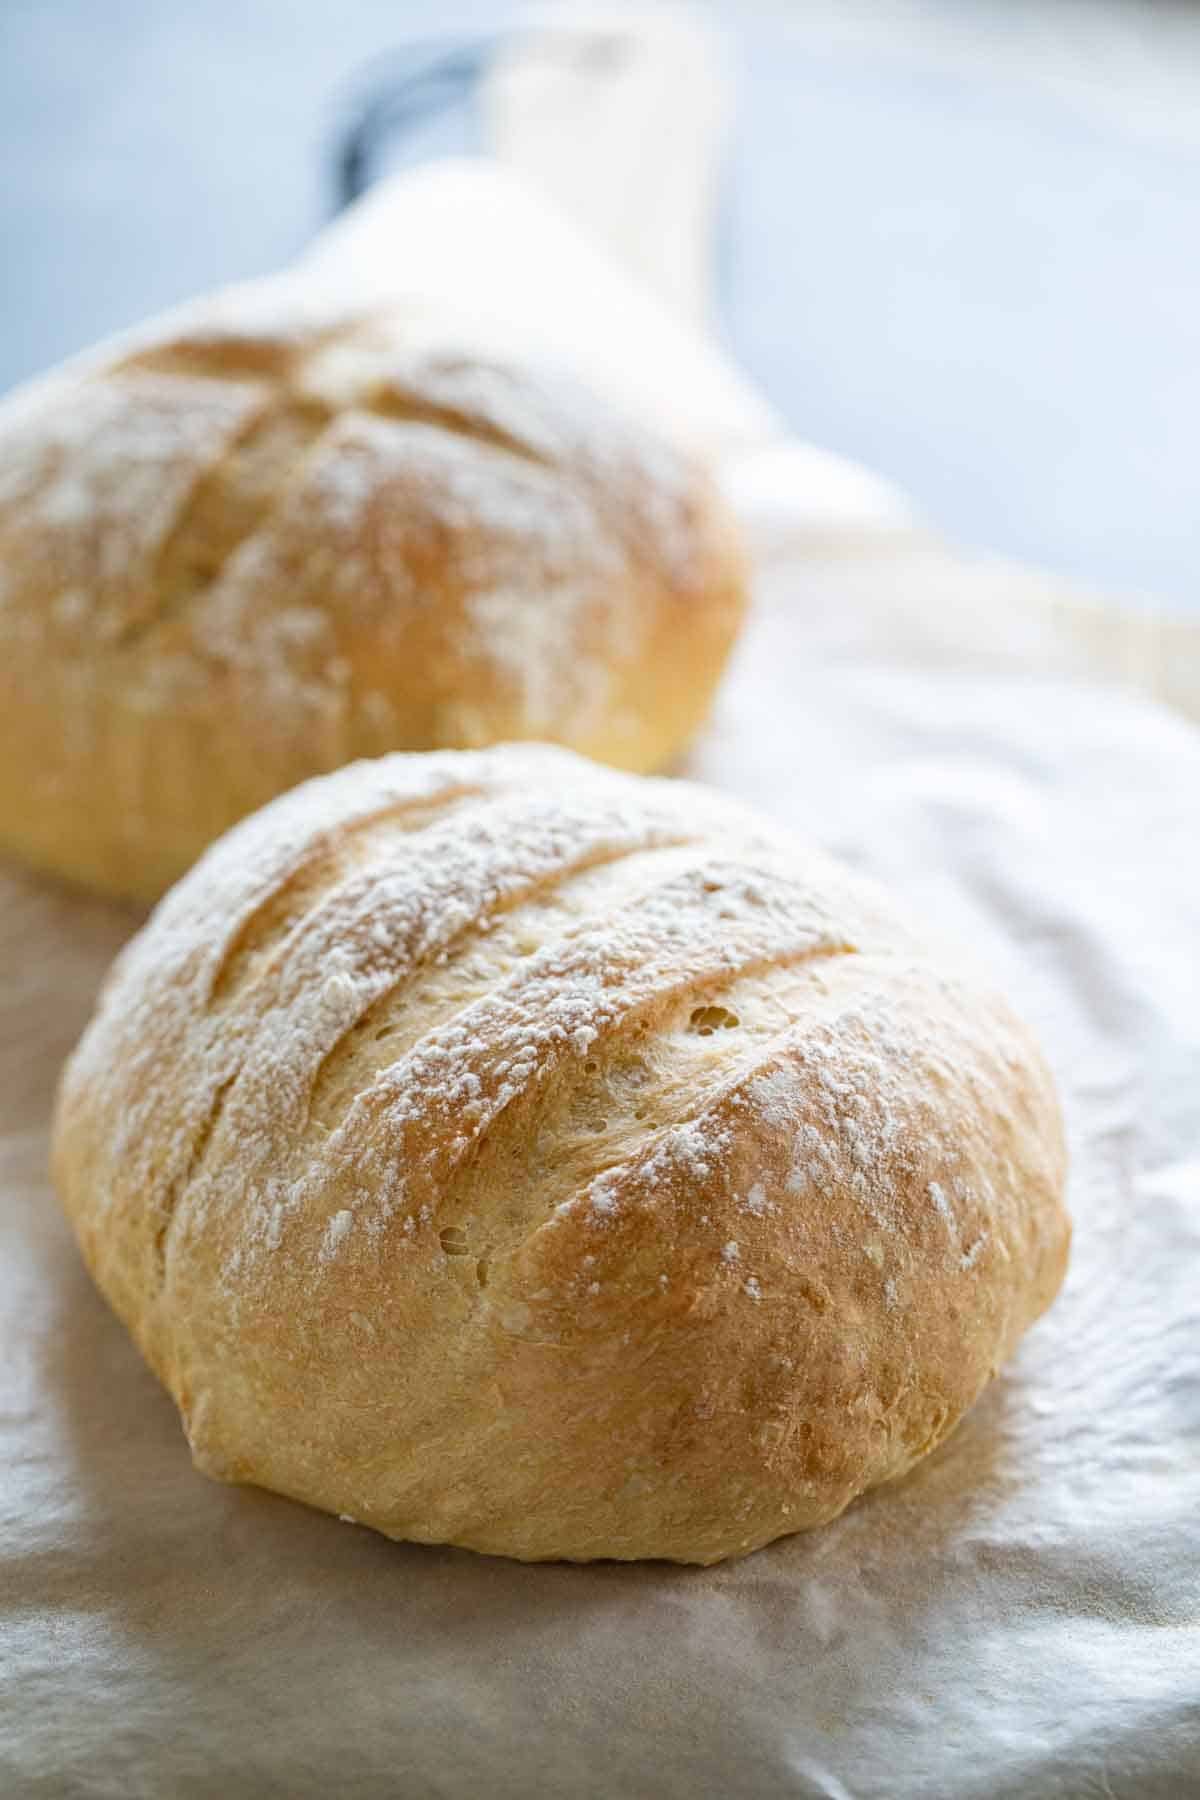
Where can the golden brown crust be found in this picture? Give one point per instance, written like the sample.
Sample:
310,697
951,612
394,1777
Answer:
506,1152
241,553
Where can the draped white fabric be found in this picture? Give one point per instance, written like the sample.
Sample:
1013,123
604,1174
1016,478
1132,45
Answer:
1018,1617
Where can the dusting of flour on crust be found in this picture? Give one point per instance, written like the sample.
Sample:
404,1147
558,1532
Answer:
400,971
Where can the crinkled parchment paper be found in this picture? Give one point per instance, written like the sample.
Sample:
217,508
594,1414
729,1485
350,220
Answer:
1019,1617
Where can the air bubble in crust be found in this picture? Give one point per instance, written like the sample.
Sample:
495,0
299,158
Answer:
706,1020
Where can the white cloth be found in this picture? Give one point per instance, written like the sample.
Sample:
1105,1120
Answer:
1018,1618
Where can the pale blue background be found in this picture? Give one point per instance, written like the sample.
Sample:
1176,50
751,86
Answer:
960,277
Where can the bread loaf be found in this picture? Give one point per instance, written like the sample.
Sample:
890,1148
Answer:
261,541
502,1151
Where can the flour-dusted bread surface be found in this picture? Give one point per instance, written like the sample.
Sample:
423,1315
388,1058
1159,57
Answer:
502,1151
261,541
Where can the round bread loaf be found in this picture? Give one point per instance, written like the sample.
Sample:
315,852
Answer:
505,1152
257,543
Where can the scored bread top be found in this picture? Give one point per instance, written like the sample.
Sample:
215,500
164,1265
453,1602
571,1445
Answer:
269,540
445,1061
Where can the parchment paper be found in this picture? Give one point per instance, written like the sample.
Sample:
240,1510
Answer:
1020,1617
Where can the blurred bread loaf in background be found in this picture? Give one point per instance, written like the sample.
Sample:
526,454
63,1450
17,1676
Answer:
265,538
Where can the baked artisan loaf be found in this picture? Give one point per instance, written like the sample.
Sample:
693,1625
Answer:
257,542
505,1152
